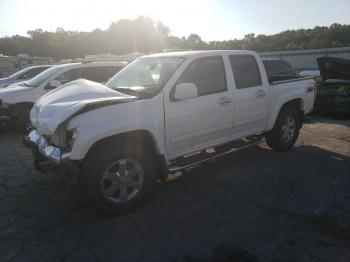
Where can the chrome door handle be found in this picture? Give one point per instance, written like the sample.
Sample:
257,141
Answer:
260,93
224,100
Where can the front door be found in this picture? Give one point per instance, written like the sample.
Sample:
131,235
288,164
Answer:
196,123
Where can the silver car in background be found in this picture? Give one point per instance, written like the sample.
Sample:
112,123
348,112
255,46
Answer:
23,75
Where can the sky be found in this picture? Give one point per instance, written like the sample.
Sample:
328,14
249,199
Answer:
211,19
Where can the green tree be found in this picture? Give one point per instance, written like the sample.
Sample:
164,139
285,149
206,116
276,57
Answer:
146,35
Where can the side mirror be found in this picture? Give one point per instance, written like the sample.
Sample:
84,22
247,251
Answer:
53,84
185,91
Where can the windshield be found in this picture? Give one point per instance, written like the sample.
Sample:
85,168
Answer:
145,75
20,73
42,77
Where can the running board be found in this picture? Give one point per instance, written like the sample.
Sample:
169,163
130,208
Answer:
175,167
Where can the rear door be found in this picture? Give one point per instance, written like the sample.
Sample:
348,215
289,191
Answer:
251,96
195,123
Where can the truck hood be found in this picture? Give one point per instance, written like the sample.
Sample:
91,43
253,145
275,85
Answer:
70,99
12,88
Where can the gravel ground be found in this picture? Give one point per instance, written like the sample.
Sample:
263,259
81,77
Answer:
254,205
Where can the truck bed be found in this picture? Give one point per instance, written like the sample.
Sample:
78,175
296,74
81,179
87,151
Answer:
289,80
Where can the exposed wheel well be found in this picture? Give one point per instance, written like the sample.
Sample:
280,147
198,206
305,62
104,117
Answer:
141,140
295,103
298,105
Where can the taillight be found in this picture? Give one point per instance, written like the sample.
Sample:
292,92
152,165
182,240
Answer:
309,89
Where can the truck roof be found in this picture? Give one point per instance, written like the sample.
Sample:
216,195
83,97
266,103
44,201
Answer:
201,53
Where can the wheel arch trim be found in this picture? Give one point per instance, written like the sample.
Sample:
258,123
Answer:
297,103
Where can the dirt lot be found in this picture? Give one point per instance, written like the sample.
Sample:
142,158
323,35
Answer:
255,204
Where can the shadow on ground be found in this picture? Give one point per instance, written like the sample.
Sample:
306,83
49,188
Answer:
254,205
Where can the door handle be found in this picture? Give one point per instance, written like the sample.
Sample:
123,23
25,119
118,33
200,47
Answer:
224,100
260,93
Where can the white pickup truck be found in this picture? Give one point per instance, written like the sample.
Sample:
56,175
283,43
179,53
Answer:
161,114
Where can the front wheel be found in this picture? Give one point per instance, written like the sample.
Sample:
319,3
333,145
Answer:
21,117
116,182
286,130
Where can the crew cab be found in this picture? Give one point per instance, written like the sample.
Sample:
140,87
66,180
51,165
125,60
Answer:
17,100
161,114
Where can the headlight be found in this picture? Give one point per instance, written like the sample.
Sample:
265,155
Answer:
54,139
62,137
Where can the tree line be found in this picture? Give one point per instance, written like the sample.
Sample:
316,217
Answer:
147,36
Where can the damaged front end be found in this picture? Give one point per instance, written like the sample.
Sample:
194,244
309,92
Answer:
50,158
52,139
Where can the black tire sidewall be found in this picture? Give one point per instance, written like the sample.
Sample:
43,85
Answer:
274,137
92,174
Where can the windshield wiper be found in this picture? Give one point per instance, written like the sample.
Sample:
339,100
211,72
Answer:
127,91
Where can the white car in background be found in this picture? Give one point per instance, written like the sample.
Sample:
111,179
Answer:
17,100
23,75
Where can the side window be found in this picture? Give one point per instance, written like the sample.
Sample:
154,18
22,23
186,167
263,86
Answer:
207,73
35,71
101,74
84,73
69,75
245,71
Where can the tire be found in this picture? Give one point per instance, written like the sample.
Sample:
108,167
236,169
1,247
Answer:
98,184
21,118
286,130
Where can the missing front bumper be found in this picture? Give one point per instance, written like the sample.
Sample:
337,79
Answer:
48,158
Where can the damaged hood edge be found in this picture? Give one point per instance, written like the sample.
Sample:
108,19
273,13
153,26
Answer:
53,109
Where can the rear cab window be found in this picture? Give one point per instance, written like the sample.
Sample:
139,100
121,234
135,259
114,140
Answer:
245,70
278,67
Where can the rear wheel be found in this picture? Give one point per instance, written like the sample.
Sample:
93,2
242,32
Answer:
286,130
118,182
